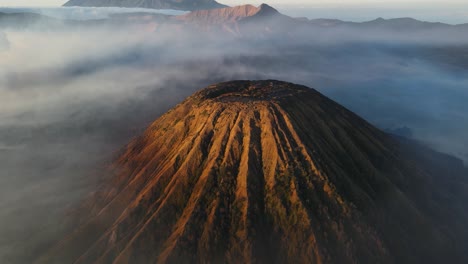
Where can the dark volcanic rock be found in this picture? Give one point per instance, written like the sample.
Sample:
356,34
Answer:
272,172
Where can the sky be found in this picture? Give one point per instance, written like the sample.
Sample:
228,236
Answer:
395,3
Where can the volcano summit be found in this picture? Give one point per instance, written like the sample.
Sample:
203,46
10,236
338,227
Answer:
272,172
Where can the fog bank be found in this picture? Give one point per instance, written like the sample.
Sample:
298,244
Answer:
71,99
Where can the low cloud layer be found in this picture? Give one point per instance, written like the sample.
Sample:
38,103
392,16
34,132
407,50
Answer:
85,13
4,44
71,99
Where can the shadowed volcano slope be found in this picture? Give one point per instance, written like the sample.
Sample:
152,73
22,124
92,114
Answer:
272,172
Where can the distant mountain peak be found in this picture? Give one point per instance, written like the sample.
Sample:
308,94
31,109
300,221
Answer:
228,14
267,9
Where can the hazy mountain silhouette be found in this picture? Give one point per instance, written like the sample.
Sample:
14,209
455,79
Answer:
156,4
245,20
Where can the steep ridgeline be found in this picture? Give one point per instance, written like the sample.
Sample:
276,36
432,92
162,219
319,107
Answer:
272,172
187,5
251,21
228,14
239,20
220,15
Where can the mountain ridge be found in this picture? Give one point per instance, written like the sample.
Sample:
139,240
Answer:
187,5
266,20
222,15
230,14
230,18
